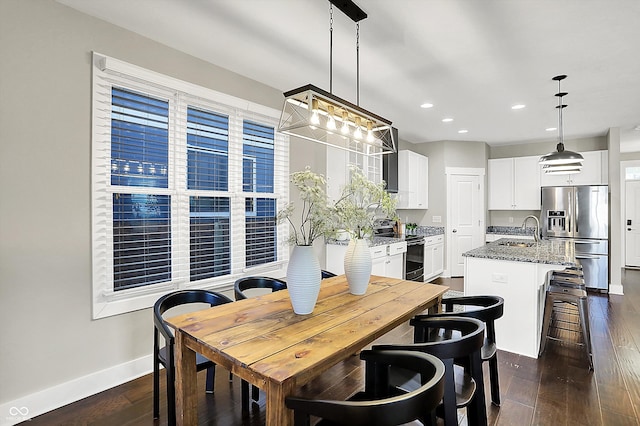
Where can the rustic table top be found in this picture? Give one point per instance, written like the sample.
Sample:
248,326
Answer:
264,342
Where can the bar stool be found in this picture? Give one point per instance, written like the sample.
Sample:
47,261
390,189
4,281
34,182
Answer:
577,299
563,281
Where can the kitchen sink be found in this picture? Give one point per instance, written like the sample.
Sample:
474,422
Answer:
517,244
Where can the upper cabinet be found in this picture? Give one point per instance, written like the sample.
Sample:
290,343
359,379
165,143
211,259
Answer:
413,180
514,183
595,171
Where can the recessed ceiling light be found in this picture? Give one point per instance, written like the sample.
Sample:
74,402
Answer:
637,128
551,129
447,120
463,131
426,105
518,106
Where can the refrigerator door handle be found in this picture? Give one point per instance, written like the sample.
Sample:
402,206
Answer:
576,209
571,212
587,256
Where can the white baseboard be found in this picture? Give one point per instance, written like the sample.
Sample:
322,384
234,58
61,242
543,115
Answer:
43,401
616,289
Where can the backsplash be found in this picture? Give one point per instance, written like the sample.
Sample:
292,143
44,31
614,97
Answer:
428,231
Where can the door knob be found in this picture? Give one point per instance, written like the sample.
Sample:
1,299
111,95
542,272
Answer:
454,231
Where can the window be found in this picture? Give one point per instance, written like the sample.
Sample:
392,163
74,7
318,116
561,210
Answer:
186,186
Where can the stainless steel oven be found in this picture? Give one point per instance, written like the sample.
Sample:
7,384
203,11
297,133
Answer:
414,259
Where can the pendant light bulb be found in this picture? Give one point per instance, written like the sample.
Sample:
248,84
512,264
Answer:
331,121
345,123
315,118
369,132
358,132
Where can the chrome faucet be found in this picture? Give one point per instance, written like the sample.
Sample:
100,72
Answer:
536,235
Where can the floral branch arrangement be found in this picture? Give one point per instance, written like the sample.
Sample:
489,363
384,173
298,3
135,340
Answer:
315,216
360,202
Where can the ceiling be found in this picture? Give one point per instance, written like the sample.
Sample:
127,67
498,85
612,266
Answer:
473,60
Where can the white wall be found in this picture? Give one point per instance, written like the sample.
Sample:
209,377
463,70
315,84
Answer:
48,336
441,155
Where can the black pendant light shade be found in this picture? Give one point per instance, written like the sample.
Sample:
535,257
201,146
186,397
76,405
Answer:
561,161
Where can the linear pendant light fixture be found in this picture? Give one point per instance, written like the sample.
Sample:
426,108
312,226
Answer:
316,115
561,161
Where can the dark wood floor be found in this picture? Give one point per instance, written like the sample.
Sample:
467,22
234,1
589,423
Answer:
556,389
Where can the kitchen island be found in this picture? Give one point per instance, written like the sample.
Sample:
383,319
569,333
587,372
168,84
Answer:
516,271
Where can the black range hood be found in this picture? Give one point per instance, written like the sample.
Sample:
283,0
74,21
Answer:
390,166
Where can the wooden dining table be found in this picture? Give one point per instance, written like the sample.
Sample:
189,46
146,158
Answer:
264,342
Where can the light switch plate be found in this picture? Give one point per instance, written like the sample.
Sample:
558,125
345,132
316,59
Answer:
436,219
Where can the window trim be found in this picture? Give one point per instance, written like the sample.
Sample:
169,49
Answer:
107,302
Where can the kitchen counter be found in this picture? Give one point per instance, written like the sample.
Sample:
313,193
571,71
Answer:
375,241
517,273
426,231
515,250
511,230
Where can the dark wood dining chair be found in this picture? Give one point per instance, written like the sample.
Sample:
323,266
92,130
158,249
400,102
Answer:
486,309
165,355
243,284
452,339
327,274
380,404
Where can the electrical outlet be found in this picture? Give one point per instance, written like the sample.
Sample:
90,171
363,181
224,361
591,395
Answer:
436,219
498,278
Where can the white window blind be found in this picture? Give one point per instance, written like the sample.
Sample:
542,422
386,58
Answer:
186,185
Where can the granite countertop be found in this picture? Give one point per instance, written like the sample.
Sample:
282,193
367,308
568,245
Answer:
429,231
545,251
510,230
376,241
425,231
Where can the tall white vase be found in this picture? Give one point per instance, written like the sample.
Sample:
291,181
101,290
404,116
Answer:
303,279
357,265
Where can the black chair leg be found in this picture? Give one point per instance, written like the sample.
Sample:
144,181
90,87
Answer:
495,383
156,391
449,400
255,393
477,410
244,386
211,378
171,397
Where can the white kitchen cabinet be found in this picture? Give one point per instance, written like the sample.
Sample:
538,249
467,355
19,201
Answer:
379,260
413,180
514,183
387,260
433,257
595,171
394,266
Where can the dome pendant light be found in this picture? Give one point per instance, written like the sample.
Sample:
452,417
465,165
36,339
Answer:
561,161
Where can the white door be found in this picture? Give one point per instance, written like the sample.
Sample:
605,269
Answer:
632,223
465,211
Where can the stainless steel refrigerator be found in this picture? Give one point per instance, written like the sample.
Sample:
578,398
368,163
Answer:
580,213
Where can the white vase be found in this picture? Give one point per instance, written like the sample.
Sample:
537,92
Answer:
357,265
303,279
